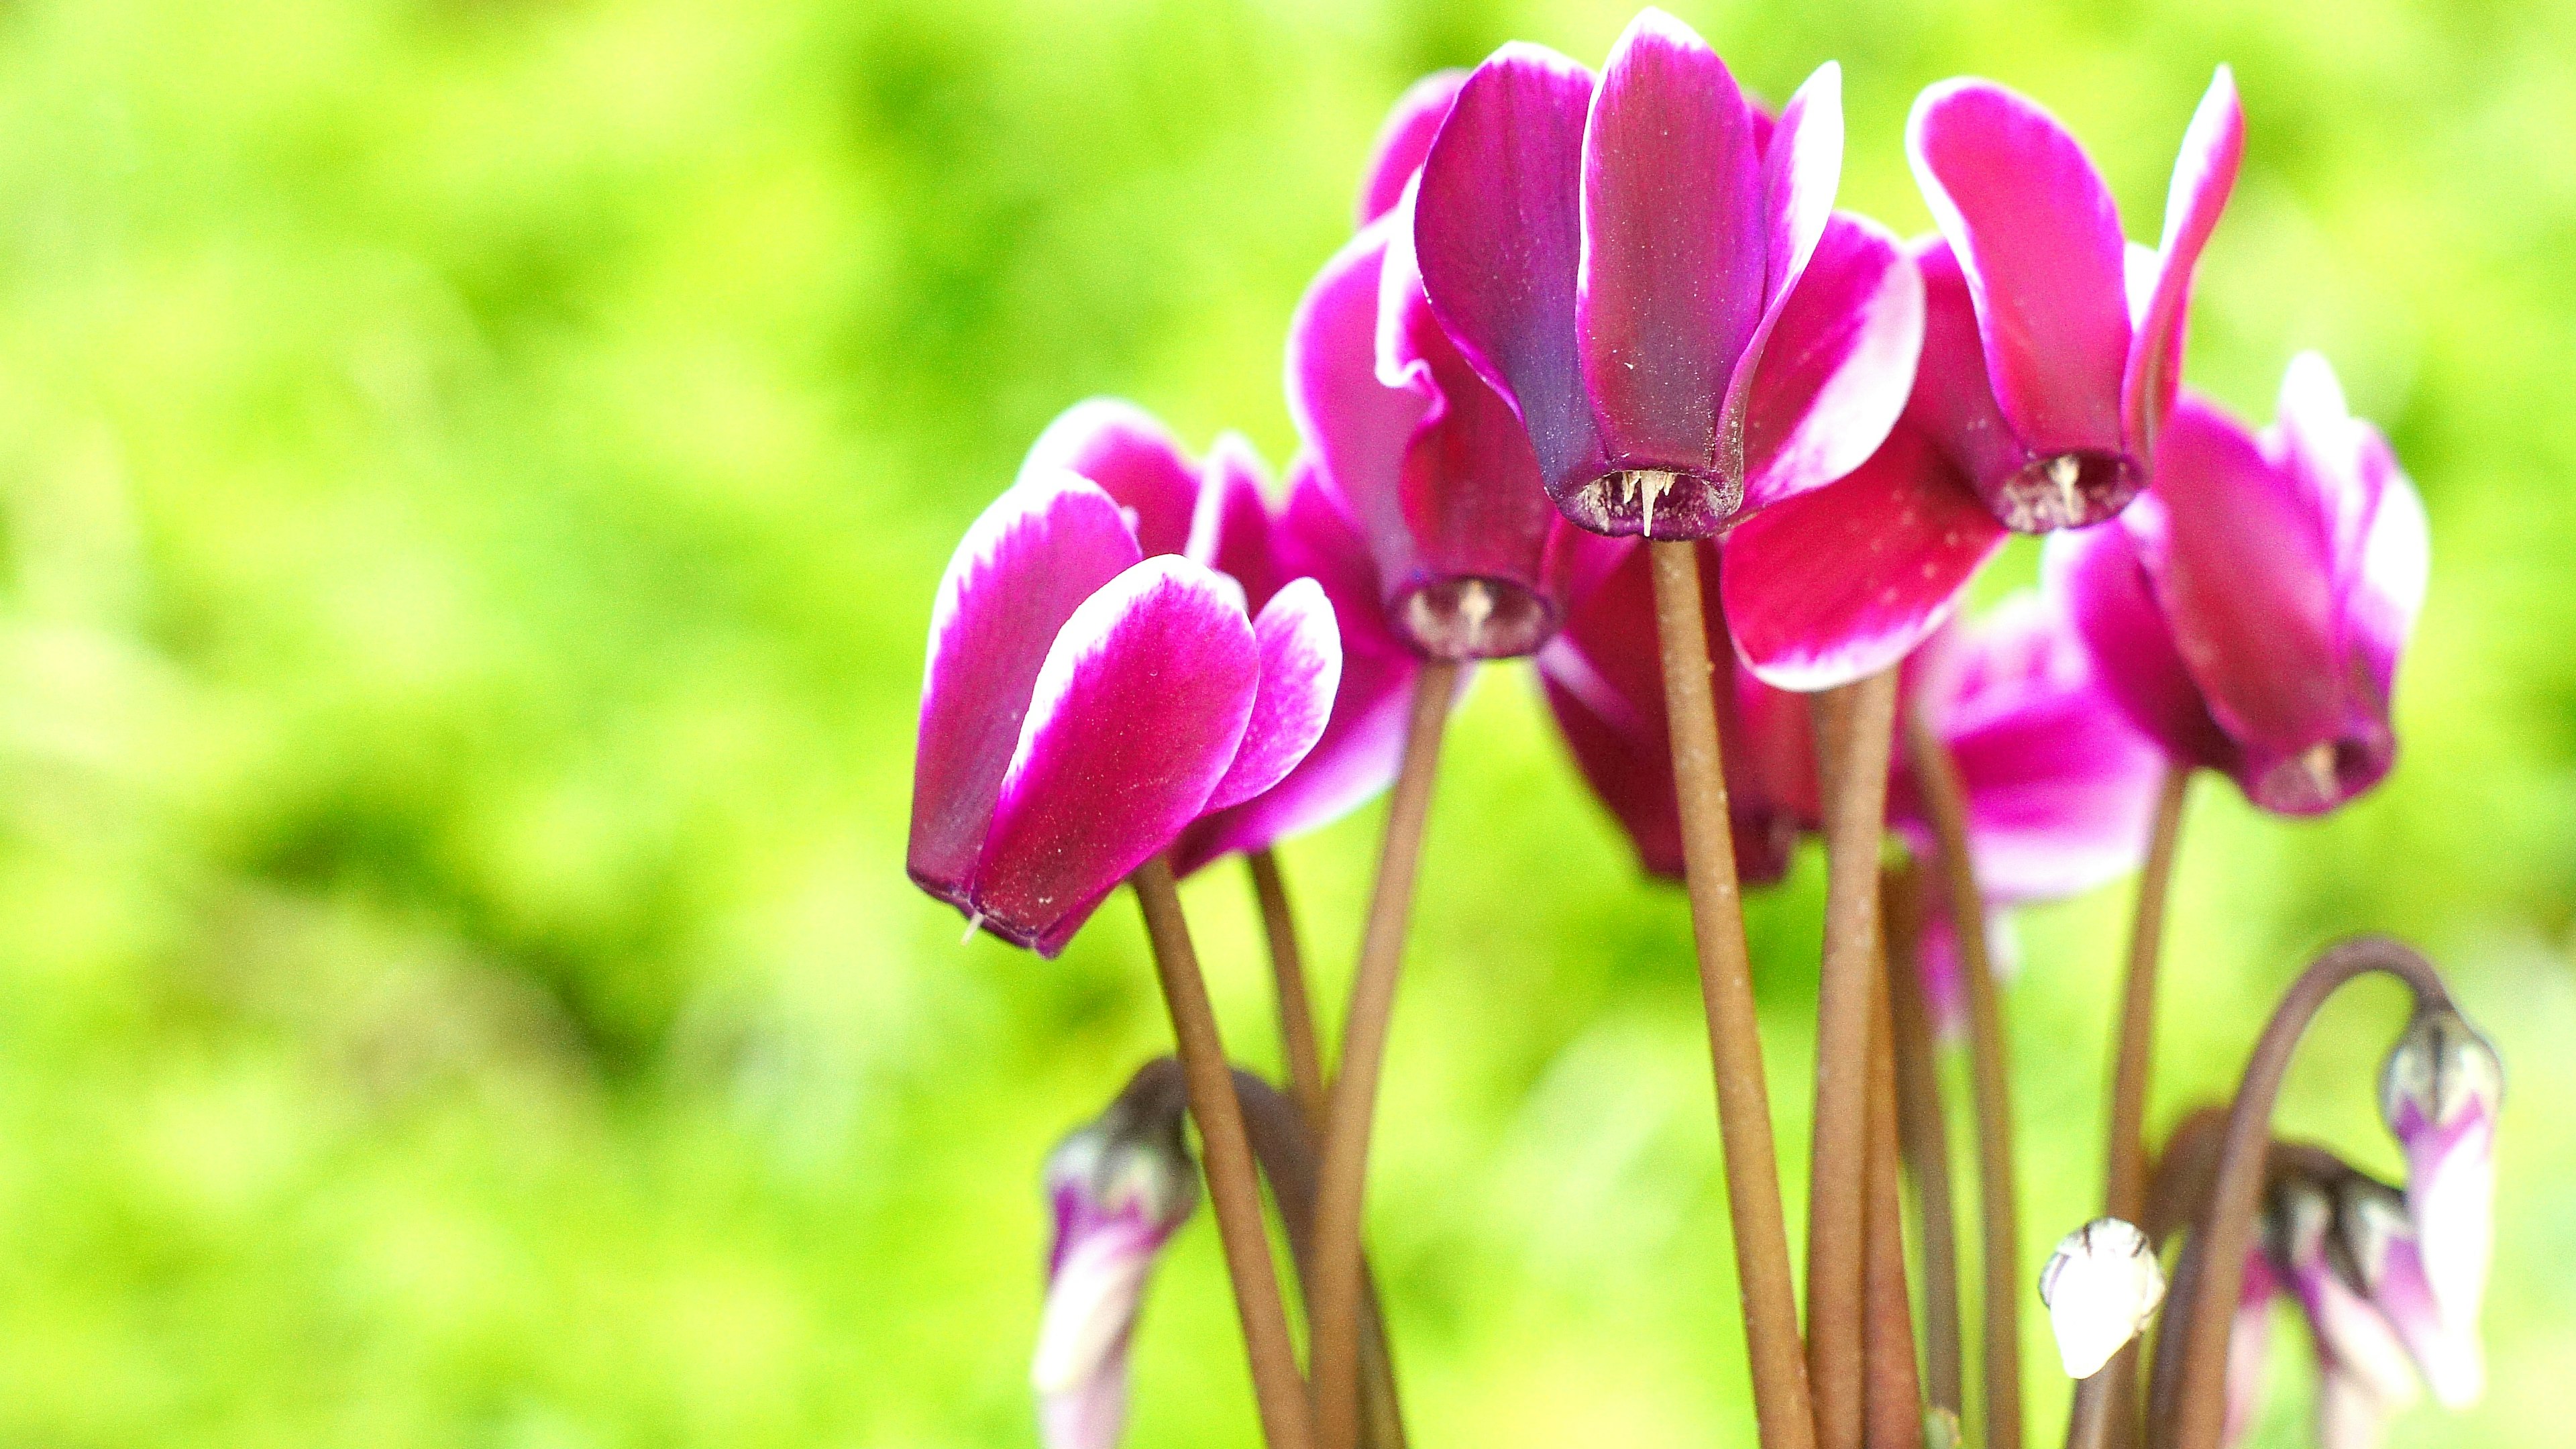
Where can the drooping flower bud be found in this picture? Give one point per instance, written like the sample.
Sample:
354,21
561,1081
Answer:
1121,1187
2101,1287
2439,1093
2377,1249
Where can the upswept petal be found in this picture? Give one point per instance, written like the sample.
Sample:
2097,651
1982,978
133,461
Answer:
2038,237
2098,573
1357,417
1499,230
1301,668
1135,717
1842,581
1230,532
1953,402
1133,458
2378,536
1404,138
1020,572
1672,272
2204,174
1836,364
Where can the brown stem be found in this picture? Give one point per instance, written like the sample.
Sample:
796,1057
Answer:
1924,1128
1288,977
1892,1406
2194,1349
1782,1410
1335,1307
1936,777
1232,1186
1852,740
2104,1415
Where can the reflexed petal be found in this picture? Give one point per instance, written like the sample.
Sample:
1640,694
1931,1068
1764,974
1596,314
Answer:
1499,229
1135,717
2439,1094
1842,581
2098,573
1230,532
1301,667
1800,174
2038,237
2375,523
1091,1303
1356,418
2204,175
1952,402
1133,458
1836,366
2448,1353
1404,139
1673,247
1021,571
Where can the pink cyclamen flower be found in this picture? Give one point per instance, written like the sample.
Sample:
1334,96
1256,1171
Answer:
2059,785
2439,1093
1120,1187
2248,611
1216,512
2059,422
1604,682
1083,703
1657,282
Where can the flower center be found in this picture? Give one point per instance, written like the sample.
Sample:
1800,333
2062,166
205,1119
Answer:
1476,618
2069,490
1665,503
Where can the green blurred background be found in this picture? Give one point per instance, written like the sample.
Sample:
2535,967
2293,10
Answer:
472,477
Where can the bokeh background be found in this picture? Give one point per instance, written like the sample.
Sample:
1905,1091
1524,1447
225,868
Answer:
472,478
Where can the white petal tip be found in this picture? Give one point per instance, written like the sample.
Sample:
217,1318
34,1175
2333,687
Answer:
2101,1287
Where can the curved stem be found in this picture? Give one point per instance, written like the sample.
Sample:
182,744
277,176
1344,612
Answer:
1923,1127
1232,1187
2196,1410
1892,1404
1288,978
1936,777
1335,1308
2104,1415
1853,724
1782,1411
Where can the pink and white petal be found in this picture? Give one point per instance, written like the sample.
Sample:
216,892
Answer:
1133,458
1836,366
2374,519
2038,237
2383,599
1301,668
1952,402
1404,138
1020,572
1842,581
1671,283
2249,1337
1135,718
1230,532
1802,167
1090,1415
1498,226
2097,573
2204,175
1355,416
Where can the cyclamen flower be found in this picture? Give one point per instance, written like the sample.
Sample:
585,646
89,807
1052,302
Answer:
1604,682
2439,1093
1082,704
1217,513
2249,609
2040,384
1120,1188
1658,284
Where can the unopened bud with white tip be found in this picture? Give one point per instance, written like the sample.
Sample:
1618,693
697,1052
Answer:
2440,1092
2101,1288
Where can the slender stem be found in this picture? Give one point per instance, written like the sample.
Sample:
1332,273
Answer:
1924,1128
1288,976
2197,1407
2104,1415
1335,1308
1233,1188
1781,1408
1892,1406
1936,776
1852,741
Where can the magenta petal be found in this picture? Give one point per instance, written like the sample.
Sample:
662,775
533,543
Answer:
1836,365
1133,458
1020,572
1841,581
1230,532
1404,139
2204,175
1135,717
2098,574
1301,667
2374,520
1357,422
1498,227
1953,403
2039,238
1673,247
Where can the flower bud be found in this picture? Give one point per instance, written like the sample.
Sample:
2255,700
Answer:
2101,1287
1121,1187
2439,1094
2378,1249
2354,1339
